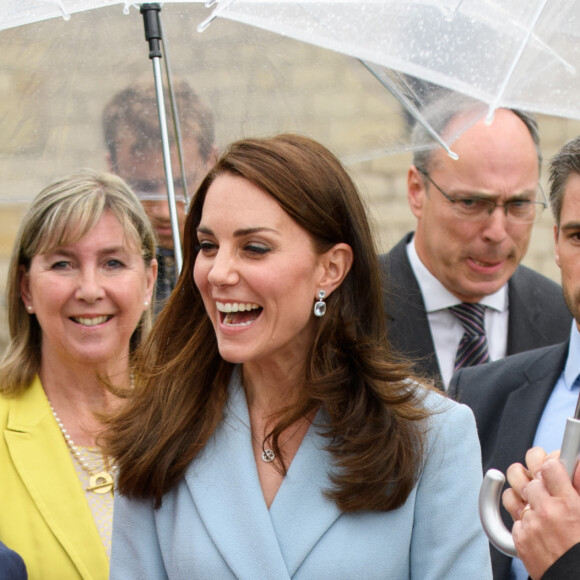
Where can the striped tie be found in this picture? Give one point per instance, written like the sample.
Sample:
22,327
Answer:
473,348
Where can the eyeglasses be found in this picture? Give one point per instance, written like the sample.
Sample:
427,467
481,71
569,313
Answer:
475,208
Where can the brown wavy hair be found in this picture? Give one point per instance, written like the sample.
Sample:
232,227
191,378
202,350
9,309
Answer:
373,416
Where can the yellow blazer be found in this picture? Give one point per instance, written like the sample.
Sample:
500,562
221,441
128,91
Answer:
44,515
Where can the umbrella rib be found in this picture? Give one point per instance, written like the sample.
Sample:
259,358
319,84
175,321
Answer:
494,105
219,8
174,113
396,92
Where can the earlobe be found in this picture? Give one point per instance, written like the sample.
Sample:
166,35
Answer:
154,270
151,279
25,295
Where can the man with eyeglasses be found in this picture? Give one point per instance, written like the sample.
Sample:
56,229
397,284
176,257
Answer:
134,152
455,292
525,400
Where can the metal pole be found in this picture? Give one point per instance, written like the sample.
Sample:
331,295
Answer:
153,37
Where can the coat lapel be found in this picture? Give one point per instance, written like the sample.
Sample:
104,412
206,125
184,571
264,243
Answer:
234,511
223,482
44,464
300,513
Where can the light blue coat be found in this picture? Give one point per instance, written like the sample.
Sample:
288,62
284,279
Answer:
215,524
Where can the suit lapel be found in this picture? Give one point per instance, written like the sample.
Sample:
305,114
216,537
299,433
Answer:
521,415
223,482
44,464
524,406
522,325
407,323
300,513
533,323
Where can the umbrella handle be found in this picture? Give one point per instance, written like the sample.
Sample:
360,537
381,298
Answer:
491,489
493,526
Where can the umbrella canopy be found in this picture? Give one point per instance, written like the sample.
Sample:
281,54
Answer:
507,53
63,61
58,75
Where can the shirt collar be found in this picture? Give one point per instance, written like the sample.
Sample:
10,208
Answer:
437,297
572,368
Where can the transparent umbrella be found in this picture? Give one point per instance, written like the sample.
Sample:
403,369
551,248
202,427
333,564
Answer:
507,53
65,59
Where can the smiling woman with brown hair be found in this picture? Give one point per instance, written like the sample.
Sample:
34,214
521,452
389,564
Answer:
272,433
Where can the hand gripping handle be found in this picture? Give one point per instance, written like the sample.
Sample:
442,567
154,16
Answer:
491,489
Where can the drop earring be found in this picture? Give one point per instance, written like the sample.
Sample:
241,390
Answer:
320,305
146,304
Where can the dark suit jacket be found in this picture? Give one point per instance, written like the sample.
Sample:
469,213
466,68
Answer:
566,566
11,565
508,397
538,315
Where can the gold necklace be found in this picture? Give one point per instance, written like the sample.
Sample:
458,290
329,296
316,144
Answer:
102,481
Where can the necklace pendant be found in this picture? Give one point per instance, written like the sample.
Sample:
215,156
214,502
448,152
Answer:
101,482
268,456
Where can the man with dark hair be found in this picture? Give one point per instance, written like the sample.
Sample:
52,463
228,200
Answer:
134,152
455,292
524,400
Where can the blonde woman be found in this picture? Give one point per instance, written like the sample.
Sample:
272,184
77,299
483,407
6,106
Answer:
79,291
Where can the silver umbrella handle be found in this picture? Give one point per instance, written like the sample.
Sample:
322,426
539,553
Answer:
491,489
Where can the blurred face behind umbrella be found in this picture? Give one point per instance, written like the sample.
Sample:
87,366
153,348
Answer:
145,173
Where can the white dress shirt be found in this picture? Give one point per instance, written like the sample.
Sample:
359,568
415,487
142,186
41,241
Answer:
446,329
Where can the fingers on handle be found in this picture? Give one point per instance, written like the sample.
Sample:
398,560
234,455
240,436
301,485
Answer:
535,458
513,503
555,478
518,477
